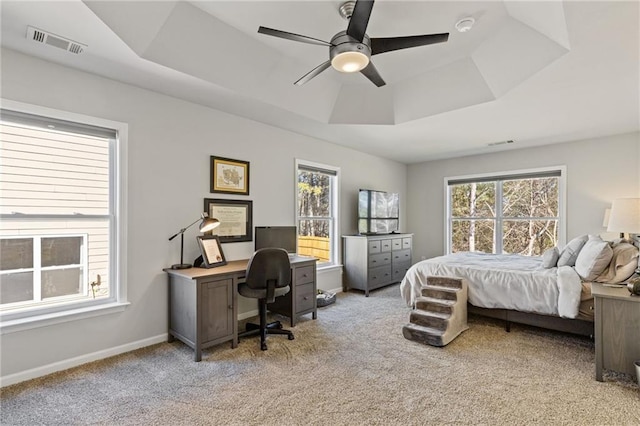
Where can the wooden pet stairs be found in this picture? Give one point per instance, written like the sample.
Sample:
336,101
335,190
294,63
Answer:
440,314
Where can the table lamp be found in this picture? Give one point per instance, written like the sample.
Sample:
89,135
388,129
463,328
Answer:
206,225
625,216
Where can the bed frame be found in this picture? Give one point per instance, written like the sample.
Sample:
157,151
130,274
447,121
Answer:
575,326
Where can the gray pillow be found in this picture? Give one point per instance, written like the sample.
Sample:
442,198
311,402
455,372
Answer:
594,258
570,252
550,258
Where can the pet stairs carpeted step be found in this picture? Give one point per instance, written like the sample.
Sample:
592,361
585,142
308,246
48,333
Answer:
435,305
440,315
443,293
455,283
418,333
436,320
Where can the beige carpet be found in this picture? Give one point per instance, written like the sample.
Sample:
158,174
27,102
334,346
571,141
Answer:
350,367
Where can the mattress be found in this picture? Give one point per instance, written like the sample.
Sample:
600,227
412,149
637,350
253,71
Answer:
503,281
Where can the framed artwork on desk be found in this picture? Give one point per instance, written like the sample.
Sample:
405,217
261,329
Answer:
229,176
212,254
235,216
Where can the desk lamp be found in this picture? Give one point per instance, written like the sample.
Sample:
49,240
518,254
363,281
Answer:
206,225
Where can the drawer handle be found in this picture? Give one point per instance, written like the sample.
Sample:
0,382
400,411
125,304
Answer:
304,276
305,298
373,261
230,307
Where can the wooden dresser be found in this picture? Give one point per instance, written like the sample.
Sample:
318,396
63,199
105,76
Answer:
374,261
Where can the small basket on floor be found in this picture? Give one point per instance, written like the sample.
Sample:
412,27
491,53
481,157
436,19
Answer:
324,298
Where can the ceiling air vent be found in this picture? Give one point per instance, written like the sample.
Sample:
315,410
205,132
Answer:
44,37
499,143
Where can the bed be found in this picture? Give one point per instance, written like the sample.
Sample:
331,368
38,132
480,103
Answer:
528,290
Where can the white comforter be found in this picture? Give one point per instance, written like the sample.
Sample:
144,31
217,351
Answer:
502,281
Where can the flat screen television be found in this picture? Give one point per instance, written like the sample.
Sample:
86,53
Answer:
284,237
378,212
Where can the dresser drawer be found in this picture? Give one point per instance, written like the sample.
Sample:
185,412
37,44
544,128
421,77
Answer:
304,275
379,259
386,245
375,246
304,297
379,276
402,256
406,243
396,243
399,271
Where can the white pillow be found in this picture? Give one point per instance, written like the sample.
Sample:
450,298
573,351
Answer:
570,252
594,258
550,258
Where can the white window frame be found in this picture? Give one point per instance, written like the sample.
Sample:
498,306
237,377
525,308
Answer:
562,201
335,197
41,316
37,267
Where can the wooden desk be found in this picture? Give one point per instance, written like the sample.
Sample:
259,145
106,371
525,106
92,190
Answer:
617,329
203,303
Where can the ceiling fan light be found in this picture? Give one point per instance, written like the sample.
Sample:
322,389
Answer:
350,61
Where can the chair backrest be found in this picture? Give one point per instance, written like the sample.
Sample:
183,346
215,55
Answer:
269,265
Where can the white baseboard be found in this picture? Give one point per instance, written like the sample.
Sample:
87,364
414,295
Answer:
33,373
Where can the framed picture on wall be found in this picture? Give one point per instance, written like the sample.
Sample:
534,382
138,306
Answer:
229,176
235,216
211,250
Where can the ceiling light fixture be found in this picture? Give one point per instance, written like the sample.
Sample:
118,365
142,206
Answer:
350,61
465,24
348,54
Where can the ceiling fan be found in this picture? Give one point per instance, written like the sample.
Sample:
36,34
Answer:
350,51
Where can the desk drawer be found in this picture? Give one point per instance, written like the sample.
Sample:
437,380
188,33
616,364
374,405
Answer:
305,297
304,275
379,259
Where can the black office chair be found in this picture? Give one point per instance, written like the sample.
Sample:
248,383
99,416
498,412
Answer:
268,277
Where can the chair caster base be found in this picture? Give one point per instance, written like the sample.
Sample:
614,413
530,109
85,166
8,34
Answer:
263,346
291,337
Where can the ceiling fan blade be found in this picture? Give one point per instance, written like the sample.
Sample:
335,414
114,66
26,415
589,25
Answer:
371,73
382,45
314,72
359,19
292,36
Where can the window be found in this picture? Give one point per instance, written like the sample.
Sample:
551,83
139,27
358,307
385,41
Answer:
316,211
518,212
60,192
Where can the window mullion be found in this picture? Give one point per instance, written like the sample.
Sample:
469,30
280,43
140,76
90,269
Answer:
498,222
37,269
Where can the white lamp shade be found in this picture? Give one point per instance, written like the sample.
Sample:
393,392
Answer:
625,216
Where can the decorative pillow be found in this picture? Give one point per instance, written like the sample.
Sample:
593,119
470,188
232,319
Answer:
550,258
570,252
623,264
594,258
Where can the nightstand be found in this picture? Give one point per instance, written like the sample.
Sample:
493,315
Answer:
617,328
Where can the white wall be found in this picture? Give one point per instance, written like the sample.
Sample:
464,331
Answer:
598,170
170,142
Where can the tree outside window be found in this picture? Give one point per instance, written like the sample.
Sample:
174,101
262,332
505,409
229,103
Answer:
316,212
505,214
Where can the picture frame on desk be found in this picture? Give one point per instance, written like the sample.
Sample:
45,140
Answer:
235,216
212,254
229,176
